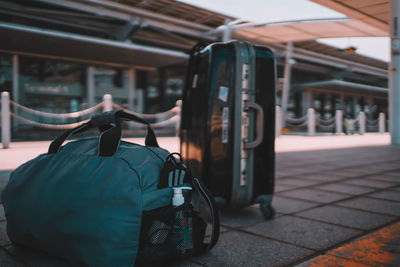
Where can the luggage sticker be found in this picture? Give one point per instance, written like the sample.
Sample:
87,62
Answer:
195,78
223,93
245,76
225,125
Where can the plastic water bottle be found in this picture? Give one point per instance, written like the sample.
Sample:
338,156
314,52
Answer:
182,224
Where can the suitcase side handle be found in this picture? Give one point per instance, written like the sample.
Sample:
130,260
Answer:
259,125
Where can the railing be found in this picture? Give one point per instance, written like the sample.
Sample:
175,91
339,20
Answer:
336,124
170,118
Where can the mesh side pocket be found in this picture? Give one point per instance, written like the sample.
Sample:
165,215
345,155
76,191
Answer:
158,236
169,234
158,233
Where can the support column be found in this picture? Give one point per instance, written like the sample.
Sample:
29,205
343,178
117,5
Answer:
286,81
394,73
306,100
131,88
355,103
15,87
90,86
342,102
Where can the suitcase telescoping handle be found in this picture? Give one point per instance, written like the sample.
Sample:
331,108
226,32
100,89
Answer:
259,125
109,124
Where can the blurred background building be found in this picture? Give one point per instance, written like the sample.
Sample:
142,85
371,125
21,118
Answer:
62,56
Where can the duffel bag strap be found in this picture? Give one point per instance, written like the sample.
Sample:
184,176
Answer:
109,123
57,143
214,211
111,118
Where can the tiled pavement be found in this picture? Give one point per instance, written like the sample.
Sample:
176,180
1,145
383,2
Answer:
324,199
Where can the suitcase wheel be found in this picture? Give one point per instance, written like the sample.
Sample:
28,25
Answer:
267,210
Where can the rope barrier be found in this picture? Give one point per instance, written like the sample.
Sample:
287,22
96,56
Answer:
171,121
59,115
372,122
47,125
173,111
296,120
328,121
298,125
326,128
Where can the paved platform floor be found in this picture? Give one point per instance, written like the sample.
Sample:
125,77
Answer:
329,199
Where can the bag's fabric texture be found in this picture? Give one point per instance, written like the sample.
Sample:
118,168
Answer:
84,201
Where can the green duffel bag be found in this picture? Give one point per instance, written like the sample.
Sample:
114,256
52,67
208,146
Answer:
84,201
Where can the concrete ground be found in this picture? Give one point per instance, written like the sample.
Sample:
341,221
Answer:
337,201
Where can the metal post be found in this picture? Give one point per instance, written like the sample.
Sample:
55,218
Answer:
362,122
227,31
131,88
286,81
15,86
108,103
381,122
90,86
311,122
278,121
394,73
5,120
339,121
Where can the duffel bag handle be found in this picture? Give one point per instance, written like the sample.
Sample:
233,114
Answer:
109,123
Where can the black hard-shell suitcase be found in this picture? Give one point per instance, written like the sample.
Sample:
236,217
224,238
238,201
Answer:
228,122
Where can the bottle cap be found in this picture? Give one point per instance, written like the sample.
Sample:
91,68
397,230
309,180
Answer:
178,198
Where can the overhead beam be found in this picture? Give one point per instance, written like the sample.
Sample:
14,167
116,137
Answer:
346,84
123,12
334,61
54,21
144,13
84,47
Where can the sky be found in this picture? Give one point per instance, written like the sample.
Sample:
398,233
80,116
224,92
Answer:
284,10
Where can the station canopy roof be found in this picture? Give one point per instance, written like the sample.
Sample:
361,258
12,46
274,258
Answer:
307,30
372,12
121,30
